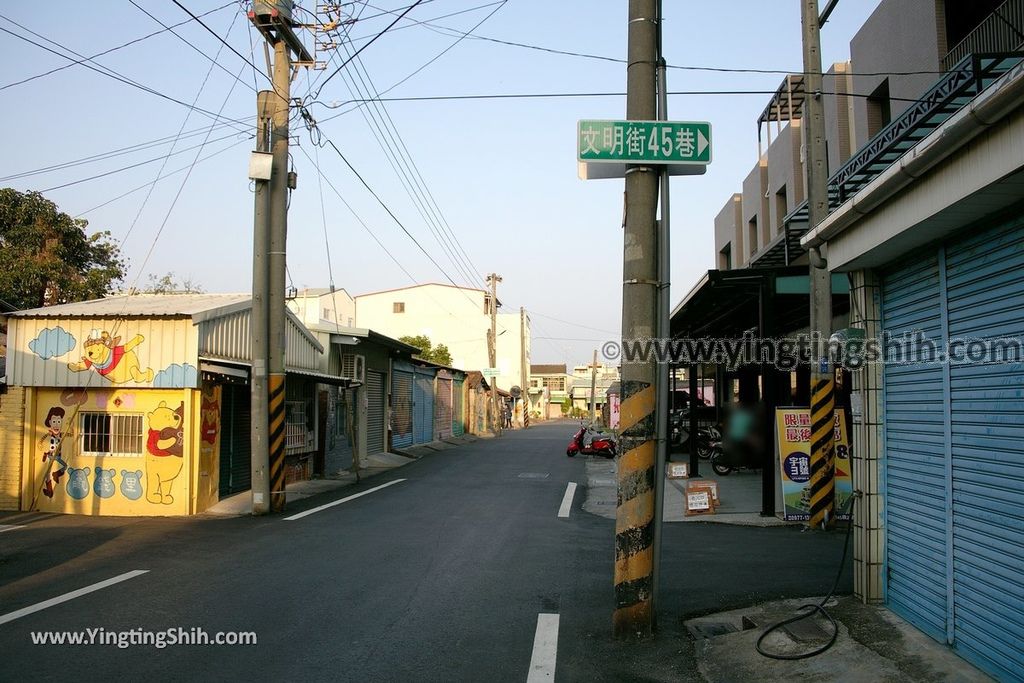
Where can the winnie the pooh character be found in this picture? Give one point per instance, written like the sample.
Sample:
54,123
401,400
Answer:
113,360
163,452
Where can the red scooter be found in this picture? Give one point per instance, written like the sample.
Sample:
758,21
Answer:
591,442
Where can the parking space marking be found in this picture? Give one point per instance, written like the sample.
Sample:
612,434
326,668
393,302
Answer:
545,649
306,513
31,609
570,491
10,527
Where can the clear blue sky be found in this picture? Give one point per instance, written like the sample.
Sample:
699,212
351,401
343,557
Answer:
502,172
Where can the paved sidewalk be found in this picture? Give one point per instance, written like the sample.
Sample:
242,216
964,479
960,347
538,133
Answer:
873,646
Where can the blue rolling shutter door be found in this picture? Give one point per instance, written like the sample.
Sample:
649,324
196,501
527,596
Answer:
985,293
375,395
423,408
458,414
915,462
401,408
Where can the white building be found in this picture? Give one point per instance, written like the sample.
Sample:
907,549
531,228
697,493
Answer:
458,317
320,305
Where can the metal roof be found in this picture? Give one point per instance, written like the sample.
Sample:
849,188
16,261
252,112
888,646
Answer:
138,305
952,92
361,333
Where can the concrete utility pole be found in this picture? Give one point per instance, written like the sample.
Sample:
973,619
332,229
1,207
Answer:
634,516
524,370
822,482
259,330
593,388
492,349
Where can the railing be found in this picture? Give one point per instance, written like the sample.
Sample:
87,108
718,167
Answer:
1000,32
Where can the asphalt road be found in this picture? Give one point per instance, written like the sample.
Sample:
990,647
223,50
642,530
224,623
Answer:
439,577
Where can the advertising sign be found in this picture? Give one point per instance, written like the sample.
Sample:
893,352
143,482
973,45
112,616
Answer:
793,439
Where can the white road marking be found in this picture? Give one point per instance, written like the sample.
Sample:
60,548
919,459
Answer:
306,513
10,527
570,491
545,649
25,611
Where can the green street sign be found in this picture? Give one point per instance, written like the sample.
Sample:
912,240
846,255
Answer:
672,143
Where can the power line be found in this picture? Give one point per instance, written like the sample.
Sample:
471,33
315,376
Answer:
215,35
364,46
106,71
113,49
212,60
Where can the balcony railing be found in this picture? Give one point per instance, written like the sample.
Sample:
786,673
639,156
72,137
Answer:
999,32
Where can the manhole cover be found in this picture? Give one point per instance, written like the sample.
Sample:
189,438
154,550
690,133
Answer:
534,475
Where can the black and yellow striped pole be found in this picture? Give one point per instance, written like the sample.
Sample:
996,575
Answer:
823,465
275,432
634,519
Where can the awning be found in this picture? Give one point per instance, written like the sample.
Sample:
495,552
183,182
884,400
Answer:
240,371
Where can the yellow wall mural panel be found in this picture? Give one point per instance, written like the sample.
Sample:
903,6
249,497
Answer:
102,353
12,420
206,483
111,451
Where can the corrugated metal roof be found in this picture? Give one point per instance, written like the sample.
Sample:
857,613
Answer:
135,305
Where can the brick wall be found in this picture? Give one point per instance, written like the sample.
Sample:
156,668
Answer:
12,414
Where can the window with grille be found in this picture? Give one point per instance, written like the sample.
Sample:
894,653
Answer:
295,424
398,307
106,434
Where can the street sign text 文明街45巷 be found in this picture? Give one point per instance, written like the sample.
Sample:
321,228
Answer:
644,142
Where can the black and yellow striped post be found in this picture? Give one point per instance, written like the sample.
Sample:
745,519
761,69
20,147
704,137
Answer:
634,514
275,407
823,464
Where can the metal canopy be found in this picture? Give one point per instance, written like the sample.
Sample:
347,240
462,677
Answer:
961,84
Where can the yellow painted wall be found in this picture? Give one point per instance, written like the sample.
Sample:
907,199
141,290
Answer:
156,481
207,408
12,418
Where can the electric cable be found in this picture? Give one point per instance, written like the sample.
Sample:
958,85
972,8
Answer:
814,608
213,33
113,49
105,71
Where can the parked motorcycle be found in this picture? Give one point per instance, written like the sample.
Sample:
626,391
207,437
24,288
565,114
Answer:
719,462
589,441
679,434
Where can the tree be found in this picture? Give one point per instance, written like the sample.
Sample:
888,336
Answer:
435,354
46,257
168,284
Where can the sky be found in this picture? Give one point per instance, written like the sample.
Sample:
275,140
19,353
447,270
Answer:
482,185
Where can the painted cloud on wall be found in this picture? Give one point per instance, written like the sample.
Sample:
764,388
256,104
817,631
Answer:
52,342
177,376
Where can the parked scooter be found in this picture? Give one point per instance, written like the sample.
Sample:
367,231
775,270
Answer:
719,462
589,441
679,434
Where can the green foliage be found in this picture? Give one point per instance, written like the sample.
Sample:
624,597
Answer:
435,354
46,257
168,284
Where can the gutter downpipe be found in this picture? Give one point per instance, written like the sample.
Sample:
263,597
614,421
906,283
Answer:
982,113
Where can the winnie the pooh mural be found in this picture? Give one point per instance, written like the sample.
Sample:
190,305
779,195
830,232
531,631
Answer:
112,360
164,451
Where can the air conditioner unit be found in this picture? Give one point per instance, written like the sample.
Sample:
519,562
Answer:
353,366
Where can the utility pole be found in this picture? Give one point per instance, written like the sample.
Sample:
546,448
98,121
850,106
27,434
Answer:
259,330
822,481
593,388
492,351
634,515
274,21
524,370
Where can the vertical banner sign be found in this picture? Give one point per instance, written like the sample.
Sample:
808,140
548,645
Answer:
793,436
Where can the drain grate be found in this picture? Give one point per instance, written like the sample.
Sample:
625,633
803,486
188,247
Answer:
534,475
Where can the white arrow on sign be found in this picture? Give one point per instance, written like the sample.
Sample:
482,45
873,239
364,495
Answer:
702,142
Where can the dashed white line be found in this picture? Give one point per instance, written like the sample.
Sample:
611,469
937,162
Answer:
10,527
306,513
545,649
570,491
25,611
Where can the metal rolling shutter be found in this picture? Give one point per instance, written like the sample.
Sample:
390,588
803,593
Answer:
401,408
235,440
915,468
374,412
458,417
443,409
423,408
985,293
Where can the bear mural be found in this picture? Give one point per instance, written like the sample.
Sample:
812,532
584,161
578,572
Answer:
131,484
104,484
164,442
78,482
111,359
